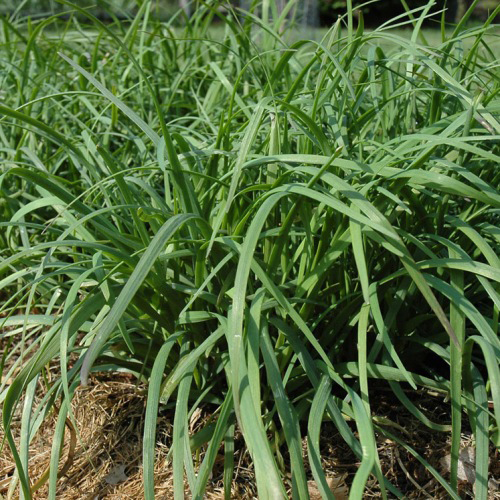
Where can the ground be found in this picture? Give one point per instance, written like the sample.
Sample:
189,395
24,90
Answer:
102,457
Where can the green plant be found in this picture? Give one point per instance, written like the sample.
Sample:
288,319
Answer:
252,226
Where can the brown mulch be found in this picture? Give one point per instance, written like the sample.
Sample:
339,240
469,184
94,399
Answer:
105,462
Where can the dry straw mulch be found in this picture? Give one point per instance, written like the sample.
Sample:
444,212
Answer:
102,459
106,461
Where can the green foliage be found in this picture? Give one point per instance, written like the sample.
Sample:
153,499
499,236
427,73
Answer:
46,8
257,228
377,12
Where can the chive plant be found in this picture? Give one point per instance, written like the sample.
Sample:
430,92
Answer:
262,228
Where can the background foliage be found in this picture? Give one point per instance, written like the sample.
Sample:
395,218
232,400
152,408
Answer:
376,12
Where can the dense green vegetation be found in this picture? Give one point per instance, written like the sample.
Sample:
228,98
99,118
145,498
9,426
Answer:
327,10
259,229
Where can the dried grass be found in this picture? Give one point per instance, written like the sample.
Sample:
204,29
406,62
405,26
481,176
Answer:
109,416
